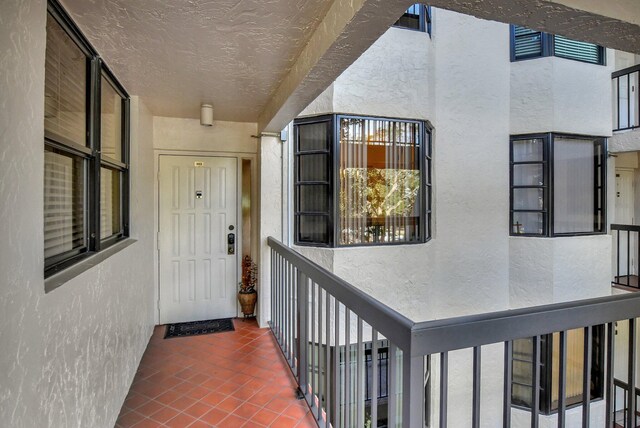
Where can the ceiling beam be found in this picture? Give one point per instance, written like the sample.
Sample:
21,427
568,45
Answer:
351,26
348,29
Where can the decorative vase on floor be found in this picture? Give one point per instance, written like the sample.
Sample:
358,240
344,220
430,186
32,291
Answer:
247,296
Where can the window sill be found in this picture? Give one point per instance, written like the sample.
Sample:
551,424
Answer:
56,280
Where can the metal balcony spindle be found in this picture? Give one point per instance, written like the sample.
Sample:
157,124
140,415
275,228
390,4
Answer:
444,384
610,389
336,372
312,346
295,336
347,367
628,256
301,282
318,367
506,392
374,378
631,378
535,383
477,372
562,381
330,404
360,377
586,378
392,386
413,390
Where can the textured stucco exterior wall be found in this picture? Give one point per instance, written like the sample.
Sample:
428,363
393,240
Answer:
561,95
625,141
69,356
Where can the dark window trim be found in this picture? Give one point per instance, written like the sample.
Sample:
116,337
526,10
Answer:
548,49
91,153
548,209
425,198
424,19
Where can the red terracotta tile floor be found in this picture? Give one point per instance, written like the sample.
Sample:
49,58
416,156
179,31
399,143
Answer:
232,379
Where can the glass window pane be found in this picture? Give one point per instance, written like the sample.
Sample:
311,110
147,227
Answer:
527,43
110,217
527,223
313,136
64,222
65,86
411,18
313,168
574,183
528,199
313,228
379,181
528,175
313,198
575,365
111,121
528,150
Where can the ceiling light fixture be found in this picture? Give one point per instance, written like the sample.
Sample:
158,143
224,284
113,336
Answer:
206,115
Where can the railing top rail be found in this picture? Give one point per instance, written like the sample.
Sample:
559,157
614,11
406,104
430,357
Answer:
392,324
629,227
624,71
449,334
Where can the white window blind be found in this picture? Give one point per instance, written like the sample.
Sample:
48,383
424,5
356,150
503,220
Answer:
111,118
63,204
573,185
65,86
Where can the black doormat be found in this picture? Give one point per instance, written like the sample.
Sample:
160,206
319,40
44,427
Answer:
195,328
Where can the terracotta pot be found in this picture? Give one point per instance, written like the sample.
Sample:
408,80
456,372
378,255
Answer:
248,302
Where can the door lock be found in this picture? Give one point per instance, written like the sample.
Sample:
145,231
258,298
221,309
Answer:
231,243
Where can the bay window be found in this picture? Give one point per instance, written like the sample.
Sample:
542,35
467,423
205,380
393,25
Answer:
557,185
361,181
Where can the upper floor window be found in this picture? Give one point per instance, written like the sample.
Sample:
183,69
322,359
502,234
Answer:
361,181
85,148
524,359
527,43
417,17
557,185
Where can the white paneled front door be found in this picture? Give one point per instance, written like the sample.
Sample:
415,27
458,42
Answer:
198,264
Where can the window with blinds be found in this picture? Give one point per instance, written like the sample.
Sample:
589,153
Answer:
558,185
85,173
361,181
523,362
527,43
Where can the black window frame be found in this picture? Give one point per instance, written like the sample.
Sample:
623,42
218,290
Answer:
425,196
546,406
548,185
90,153
548,49
423,17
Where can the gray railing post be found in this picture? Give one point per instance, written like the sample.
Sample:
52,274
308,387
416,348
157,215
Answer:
302,343
412,390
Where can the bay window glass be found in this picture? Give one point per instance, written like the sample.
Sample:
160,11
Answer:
557,185
379,181
361,181
110,218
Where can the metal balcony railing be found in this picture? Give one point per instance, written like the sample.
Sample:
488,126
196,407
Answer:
330,331
626,98
626,248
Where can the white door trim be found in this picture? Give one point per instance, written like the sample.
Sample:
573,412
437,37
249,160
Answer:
255,248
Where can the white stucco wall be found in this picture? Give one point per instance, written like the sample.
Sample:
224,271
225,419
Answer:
625,141
69,356
560,95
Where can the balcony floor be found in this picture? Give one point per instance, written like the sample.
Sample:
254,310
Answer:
234,379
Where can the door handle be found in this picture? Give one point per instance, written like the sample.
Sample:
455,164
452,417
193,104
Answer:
231,243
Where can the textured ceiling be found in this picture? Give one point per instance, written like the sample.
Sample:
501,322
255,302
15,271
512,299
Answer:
178,54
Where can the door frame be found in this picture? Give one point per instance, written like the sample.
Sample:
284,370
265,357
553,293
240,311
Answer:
239,156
